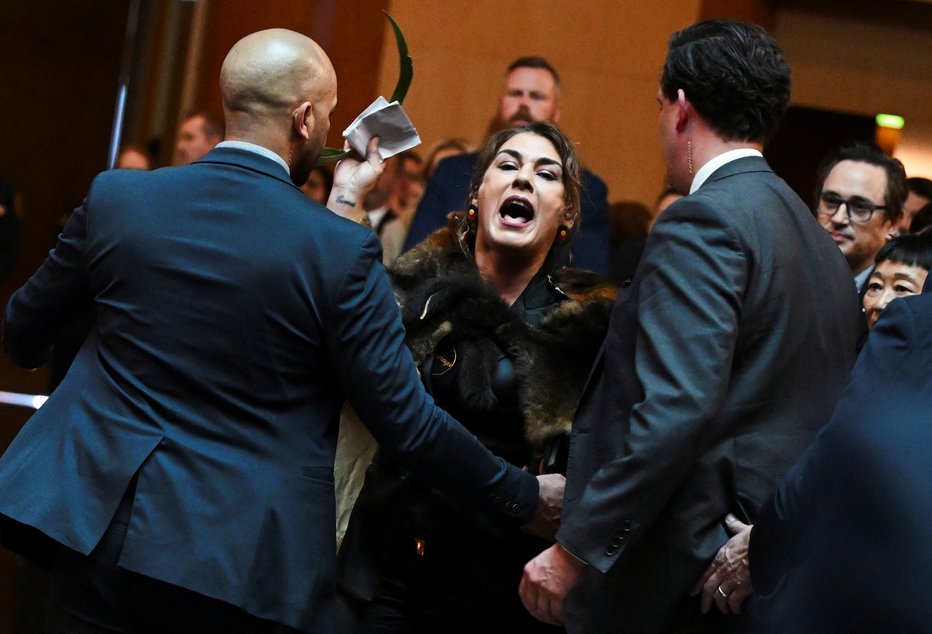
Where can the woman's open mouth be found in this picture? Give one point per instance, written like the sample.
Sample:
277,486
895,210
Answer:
516,212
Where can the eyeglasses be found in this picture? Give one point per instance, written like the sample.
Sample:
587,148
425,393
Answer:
857,209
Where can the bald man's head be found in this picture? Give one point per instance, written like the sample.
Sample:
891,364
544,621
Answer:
278,89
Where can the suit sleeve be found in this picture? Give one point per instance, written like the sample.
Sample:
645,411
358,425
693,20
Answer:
841,454
691,282
367,349
37,312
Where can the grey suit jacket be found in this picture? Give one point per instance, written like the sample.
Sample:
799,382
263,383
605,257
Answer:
723,358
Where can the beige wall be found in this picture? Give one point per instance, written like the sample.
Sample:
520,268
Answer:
864,67
609,54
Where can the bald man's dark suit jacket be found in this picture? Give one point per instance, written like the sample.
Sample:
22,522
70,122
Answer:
723,358
234,316
844,544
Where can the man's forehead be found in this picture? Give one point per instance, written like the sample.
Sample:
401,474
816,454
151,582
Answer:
195,122
525,76
857,174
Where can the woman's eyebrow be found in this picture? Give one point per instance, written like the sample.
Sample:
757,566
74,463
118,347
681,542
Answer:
544,160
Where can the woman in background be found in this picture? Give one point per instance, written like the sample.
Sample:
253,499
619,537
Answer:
900,270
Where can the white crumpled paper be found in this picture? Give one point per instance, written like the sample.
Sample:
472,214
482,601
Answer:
389,122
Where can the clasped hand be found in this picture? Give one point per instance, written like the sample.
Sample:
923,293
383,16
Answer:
727,580
546,518
553,574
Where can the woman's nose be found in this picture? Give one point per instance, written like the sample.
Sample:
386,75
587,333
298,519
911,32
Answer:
885,298
523,179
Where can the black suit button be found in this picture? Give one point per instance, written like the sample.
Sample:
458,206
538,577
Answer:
610,550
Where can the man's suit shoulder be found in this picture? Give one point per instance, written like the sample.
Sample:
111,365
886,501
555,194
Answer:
456,168
593,184
126,189
921,308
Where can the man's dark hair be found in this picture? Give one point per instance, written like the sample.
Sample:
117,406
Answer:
922,221
733,74
920,186
864,152
534,61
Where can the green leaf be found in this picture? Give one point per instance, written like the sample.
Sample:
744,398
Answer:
332,155
405,75
406,66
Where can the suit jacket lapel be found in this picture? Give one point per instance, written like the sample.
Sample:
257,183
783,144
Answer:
742,165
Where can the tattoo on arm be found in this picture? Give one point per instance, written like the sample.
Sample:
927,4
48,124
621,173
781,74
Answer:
345,201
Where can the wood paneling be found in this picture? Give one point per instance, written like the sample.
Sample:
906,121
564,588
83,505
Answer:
350,33
762,12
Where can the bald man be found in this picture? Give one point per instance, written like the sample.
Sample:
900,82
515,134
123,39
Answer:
181,476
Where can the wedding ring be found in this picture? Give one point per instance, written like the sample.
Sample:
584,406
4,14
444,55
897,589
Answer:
722,592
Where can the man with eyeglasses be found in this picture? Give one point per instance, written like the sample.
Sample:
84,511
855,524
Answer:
859,199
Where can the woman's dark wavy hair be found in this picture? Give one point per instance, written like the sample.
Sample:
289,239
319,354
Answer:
565,149
909,249
733,73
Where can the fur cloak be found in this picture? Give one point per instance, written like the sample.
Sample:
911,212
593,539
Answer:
442,297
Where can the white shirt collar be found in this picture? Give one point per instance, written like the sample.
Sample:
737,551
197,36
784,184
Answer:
727,157
257,149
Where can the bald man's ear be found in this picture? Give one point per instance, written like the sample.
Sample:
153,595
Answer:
303,120
555,118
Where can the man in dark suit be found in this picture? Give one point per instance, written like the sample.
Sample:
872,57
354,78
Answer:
182,473
843,544
724,356
531,93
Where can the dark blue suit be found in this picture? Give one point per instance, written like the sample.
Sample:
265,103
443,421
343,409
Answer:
448,190
844,544
234,316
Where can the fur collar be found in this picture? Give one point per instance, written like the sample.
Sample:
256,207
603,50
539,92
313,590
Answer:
441,295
